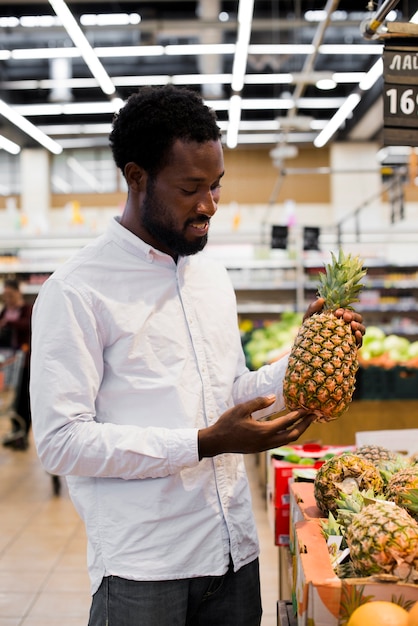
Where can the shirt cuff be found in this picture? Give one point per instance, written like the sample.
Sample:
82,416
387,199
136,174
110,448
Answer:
183,449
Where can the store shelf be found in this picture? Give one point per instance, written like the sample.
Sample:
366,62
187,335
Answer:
265,287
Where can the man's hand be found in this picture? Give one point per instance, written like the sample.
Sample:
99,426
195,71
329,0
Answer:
351,317
237,431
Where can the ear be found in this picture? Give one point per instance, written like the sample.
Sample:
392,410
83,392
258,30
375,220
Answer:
135,176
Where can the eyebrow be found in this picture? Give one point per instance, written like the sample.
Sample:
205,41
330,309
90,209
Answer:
198,179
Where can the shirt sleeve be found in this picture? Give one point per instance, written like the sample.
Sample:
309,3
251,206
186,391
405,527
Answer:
267,380
66,371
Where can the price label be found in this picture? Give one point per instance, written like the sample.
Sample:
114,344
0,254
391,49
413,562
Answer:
402,102
400,61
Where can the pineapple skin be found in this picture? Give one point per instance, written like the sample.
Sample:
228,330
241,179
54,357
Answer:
383,539
376,454
400,484
346,473
322,367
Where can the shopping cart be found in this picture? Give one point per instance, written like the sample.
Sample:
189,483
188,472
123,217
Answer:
11,366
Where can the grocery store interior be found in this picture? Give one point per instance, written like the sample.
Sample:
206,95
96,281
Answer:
317,103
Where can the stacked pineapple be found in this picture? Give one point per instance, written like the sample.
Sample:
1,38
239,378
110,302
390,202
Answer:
375,512
322,365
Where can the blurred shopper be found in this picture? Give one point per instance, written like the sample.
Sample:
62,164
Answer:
15,333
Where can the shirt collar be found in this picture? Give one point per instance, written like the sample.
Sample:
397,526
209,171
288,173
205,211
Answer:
135,245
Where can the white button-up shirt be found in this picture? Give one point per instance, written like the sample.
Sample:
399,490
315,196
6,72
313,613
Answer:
132,354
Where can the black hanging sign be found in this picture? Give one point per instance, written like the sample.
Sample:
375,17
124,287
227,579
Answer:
279,237
400,72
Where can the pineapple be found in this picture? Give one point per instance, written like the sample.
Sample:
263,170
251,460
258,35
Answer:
322,365
402,489
376,454
344,474
387,461
383,540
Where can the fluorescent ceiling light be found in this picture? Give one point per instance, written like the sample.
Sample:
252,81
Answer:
9,146
280,49
71,108
38,21
129,51
9,22
77,129
275,104
233,121
326,84
268,79
27,127
109,19
335,122
45,53
192,49
372,76
80,41
257,138
348,49
245,19
201,79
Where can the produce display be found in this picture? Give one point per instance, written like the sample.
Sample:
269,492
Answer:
323,361
383,539
386,351
379,612
371,503
266,343
344,474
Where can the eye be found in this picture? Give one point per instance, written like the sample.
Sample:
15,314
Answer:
188,192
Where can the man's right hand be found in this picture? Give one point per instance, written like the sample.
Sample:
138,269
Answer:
237,431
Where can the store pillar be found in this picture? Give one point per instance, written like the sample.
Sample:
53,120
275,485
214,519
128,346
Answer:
35,186
355,181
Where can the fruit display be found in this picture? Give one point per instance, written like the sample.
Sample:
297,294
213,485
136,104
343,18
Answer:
402,488
383,539
323,361
267,342
344,474
376,519
386,351
381,612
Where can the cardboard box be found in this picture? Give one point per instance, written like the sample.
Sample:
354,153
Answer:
319,596
404,440
302,508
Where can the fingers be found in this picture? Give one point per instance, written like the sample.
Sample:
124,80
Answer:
262,402
298,428
315,307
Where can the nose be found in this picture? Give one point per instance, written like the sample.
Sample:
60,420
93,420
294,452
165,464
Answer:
208,204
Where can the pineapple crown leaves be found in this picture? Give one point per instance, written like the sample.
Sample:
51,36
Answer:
340,284
388,468
331,526
409,499
350,504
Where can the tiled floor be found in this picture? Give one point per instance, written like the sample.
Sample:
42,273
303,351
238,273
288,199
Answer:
43,579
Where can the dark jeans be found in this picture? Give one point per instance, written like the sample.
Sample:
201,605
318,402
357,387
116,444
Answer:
230,600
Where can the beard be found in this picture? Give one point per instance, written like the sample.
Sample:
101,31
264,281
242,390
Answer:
157,219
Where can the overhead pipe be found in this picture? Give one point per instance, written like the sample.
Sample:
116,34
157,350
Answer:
369,28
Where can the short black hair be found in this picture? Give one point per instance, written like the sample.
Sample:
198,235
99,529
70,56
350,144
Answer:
152,119
12,283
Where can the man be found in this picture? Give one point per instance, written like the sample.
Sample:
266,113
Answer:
140,392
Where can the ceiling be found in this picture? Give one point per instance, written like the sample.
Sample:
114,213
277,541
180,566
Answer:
292,44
